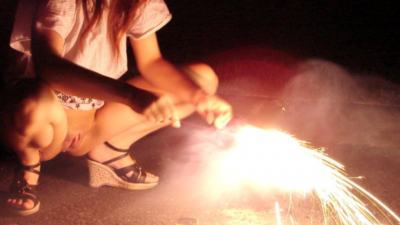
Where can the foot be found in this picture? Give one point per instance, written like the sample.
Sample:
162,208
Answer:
103,153
20,203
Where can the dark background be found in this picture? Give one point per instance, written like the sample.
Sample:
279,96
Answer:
360,35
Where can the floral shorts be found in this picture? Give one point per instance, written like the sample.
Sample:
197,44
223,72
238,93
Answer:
78,103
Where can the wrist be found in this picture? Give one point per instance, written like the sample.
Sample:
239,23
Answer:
138,99
199,96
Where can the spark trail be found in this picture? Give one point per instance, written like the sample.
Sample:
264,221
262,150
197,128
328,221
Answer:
274,159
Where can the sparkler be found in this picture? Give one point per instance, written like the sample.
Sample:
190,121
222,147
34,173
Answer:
274,159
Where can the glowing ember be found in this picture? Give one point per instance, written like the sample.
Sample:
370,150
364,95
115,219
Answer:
275,159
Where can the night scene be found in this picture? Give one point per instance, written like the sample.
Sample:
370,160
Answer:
167,112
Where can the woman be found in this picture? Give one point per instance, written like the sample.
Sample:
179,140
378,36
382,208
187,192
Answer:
78,48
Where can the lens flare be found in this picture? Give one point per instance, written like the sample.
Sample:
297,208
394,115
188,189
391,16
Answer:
273,159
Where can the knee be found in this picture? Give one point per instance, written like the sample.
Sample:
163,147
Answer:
29,88
204,76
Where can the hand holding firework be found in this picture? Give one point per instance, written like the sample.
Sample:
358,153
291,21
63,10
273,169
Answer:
213,109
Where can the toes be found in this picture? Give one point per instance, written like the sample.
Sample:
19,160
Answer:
10,202
20,204
28,204
14,202
151,178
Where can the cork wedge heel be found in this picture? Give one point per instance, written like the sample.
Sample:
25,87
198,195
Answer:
103,175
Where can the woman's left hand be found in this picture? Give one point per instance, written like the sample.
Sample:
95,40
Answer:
214,110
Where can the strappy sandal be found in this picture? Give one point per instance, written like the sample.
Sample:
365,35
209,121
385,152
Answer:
102,174
22,190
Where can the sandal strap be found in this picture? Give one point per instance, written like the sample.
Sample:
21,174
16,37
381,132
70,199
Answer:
138,176
115,159
30,168
115,148
23,190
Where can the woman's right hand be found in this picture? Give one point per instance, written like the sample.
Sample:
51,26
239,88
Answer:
162,110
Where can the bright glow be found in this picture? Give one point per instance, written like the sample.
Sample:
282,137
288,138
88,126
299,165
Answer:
275,159
272,158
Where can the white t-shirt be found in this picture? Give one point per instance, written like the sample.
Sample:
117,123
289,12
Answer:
67,19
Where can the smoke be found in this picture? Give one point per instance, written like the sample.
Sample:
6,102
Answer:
322,101
326,102
192,170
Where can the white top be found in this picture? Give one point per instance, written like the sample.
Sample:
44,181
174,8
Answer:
95,52
67,19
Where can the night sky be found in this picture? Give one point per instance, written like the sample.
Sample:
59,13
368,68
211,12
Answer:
360,35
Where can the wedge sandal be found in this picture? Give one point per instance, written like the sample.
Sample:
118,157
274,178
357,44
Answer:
101,174
22,190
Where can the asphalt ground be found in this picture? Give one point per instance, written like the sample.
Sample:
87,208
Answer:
326,72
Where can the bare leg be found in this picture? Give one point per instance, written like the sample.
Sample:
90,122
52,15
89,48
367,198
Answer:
201,74
35,126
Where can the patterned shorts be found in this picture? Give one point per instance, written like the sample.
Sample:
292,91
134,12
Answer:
78,103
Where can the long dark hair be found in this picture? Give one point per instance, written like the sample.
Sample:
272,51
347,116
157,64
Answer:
121,15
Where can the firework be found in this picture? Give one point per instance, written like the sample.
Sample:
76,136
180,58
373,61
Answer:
274,159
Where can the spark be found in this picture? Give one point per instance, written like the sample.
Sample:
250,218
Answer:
274,159
278,215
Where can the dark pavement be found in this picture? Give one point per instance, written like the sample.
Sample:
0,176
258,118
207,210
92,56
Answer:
326,72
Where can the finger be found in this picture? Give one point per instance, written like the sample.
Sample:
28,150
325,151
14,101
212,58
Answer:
148,113
203,114
176,121
176,124
170,110
162,110
170,113
224,116
159,112
222,120
200,108
210,117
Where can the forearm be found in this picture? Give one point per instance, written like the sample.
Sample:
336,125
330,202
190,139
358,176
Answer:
72,79
168,77
67,77
161,73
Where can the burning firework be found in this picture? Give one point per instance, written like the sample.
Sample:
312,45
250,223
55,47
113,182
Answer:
276,160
